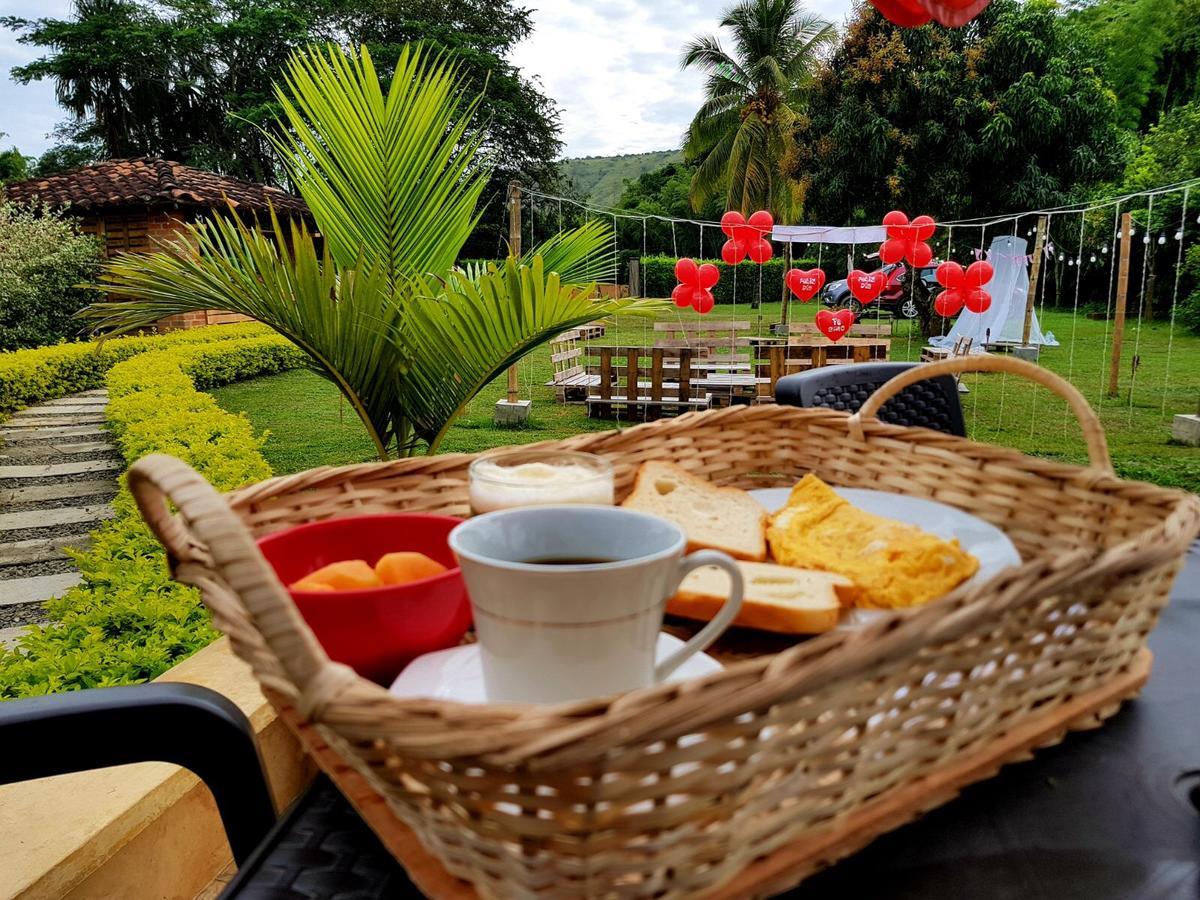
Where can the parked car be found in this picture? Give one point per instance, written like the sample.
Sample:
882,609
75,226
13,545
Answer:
896,297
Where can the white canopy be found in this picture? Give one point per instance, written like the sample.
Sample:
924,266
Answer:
1003,321
825,234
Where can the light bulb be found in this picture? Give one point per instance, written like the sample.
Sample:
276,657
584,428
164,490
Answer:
1070,262
1104,249
1162,239
1029,233
1146,239
1093,257
1179,235
1079,260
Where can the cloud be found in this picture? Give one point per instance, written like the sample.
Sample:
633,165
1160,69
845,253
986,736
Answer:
27,112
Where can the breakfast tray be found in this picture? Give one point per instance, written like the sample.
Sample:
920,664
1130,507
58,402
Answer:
745,781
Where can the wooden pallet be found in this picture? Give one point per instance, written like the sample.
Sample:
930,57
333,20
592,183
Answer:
792,863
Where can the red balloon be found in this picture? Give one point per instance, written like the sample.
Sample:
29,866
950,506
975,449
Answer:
730,221
924,227
805,283
761,251
866,286
704,302
686,271
948,303
894,222
950,275
978,274
905,13
733,252
892,250
953,13
977,300
762,222
834,325
920,254
682,295
746,234
709,275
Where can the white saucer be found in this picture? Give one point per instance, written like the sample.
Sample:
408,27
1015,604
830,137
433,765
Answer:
457,673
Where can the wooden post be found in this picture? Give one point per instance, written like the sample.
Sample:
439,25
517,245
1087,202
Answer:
1114,367
1035,272
514,247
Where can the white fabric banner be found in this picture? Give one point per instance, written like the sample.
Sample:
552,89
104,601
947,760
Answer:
825,234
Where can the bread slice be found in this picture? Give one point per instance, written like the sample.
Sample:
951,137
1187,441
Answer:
775,598
712,517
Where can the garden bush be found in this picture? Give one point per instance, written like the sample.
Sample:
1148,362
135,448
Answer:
128,622
658,273
44,260
34,375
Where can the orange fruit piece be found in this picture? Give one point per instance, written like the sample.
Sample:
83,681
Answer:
406,566
347,575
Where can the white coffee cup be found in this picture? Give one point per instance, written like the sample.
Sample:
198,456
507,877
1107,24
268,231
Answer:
554,631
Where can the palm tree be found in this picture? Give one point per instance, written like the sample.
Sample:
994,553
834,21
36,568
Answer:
745,127
393,182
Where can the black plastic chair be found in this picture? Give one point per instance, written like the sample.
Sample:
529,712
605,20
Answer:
927,404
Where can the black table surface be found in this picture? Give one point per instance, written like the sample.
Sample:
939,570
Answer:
1106,814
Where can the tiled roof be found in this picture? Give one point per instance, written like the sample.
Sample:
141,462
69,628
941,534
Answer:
150,181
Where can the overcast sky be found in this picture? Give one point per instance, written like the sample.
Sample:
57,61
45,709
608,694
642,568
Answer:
611,65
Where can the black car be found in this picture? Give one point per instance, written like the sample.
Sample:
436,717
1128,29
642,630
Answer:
896,297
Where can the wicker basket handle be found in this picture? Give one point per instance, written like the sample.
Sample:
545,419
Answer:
207,534
1093,431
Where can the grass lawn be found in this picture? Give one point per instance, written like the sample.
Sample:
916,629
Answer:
310,426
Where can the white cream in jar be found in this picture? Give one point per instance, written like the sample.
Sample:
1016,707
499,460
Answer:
539,478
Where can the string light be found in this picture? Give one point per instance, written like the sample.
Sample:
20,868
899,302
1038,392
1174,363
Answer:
1079,260
1179,235
1162,239
1093,257
1070,262
1104,249
1145,239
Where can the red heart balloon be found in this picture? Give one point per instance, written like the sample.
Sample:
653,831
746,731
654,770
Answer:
950,275
730,221
761,251
762,222
703,302
834,325
905,13
805,283
978,274
686,272
977,300
709,275
892,250
948,303
894,223
866,286
733,252
682,295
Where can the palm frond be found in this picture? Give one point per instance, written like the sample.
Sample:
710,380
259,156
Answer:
579,255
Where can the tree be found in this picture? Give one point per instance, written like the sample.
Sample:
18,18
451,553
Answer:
393,182
666,192
192,79
14,165
745,129
1009,112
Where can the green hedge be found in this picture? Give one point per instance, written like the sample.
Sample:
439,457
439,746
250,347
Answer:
44,373
127,622
658,273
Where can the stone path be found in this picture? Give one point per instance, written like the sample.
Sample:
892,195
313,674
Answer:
58,471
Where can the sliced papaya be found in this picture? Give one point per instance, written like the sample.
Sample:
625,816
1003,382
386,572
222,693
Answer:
347,575
403,567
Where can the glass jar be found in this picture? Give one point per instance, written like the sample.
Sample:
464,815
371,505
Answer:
539,478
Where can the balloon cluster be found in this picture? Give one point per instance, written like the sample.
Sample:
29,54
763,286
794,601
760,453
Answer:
834,325
747,238
695,285
963,288
805,283
907,239
913,13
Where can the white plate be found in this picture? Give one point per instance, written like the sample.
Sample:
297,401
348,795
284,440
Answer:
457,673
981,539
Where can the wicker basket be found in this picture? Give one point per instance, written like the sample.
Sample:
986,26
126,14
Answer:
742,782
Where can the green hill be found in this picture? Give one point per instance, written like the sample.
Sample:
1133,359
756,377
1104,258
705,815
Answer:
602,178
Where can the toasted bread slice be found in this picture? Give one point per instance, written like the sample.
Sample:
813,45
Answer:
775,598
712,517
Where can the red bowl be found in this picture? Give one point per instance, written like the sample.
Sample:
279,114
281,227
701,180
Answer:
376,631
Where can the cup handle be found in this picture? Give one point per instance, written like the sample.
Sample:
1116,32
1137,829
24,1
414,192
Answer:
719,622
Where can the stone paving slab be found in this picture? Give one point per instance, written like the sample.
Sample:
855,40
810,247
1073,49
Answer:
54,517
36,493
97,392
40,452
36,588
52,470
22,421
60,409
49,434
78,400
42,550
10,636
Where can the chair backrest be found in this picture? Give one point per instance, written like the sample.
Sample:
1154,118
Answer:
566,355
715,335
653,374
858,329
928,404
